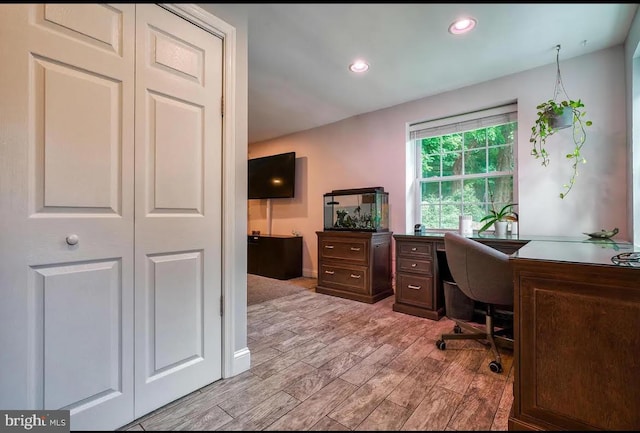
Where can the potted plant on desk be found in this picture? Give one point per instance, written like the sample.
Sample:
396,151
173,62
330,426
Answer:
499,219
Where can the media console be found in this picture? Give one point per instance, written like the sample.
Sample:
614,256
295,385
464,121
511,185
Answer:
275,256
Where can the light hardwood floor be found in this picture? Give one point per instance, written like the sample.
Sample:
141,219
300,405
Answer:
320,362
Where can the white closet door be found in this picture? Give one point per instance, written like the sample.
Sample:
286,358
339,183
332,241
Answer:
66,210
178,227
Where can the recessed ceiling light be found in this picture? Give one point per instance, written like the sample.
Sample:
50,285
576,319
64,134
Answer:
359,66
462,25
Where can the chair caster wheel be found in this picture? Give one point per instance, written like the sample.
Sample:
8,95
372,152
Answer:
495,366
440,344
457,329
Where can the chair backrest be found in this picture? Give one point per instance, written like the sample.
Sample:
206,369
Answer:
482,273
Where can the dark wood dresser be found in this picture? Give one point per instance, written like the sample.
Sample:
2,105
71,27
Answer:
355,265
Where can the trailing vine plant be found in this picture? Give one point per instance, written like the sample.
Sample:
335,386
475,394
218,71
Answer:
550,117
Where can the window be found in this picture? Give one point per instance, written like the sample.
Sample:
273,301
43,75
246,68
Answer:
464,165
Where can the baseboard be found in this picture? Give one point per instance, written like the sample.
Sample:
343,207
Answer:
241,361
310,273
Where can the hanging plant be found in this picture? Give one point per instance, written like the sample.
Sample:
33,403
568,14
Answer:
554,115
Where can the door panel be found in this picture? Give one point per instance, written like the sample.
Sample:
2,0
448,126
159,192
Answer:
176,155
82,334
178,208
76,140
98,25
176,56
175,305
66,211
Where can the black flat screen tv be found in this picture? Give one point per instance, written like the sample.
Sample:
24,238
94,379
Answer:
272,176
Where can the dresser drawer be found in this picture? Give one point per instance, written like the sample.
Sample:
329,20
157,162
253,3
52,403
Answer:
350,278
354,250
414,249
414,290
405,264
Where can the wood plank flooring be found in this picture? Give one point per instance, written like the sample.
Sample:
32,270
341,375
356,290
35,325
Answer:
320,362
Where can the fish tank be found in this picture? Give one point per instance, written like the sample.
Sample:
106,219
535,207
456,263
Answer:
361,209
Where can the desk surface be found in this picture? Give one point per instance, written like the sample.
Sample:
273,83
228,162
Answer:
509,237
571,249
591,251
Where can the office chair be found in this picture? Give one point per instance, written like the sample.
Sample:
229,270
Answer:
484,275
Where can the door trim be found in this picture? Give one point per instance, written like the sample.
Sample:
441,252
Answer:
233,361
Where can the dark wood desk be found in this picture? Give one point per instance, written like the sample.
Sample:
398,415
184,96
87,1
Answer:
421,266
576,326
576,338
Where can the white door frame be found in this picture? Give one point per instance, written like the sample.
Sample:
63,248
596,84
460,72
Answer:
233,362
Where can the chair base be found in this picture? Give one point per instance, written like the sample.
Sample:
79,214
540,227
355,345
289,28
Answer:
487,336
470,332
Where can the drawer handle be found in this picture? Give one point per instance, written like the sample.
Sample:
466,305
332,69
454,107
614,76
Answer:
329,247
414,249
414,287
329,272
413,265
355,276
355,249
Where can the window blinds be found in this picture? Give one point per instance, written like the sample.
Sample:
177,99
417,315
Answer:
464,122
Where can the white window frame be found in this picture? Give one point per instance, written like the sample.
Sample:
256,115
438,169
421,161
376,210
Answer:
450,125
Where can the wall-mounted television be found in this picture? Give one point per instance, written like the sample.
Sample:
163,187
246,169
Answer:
272,176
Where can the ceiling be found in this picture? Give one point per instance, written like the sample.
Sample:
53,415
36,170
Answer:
299,53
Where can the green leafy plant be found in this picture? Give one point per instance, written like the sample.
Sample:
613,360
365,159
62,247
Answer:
506,213
545,126
554,115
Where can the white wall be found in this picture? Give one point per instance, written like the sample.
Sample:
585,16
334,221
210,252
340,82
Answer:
371,150
632,69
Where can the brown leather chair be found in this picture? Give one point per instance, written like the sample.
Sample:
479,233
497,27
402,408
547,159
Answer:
484,275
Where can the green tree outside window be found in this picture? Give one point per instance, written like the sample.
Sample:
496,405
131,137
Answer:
459,171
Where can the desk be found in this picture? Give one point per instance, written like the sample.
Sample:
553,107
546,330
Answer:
576,337
421,265
576,328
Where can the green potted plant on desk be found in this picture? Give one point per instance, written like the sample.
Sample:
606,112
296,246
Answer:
499,219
